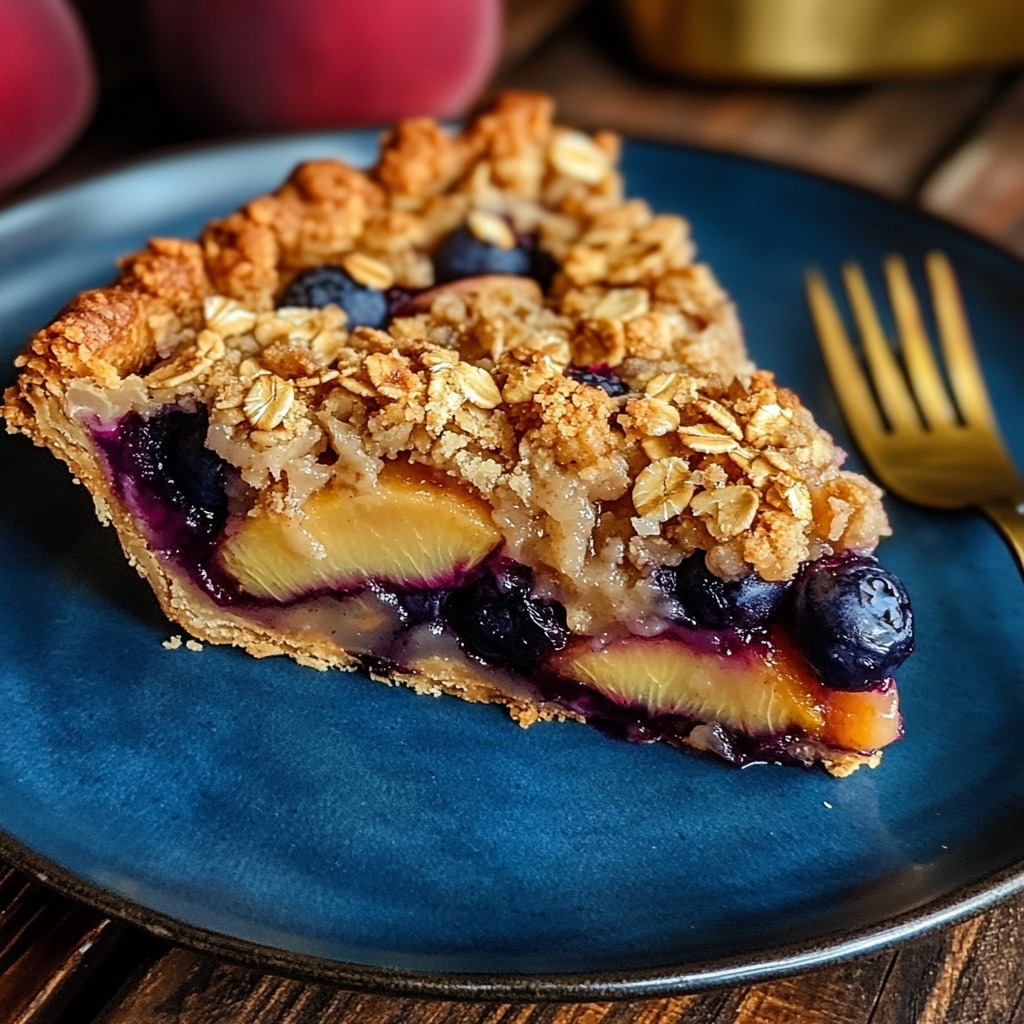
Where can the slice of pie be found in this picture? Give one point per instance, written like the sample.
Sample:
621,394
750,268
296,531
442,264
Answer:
474,421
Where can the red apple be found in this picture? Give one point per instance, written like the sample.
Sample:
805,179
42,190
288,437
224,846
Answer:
280,64
47,85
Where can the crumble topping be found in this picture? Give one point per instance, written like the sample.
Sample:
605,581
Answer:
175,643
591,490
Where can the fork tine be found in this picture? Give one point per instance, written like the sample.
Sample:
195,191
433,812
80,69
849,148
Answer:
850,385
893,394
965,374
922,369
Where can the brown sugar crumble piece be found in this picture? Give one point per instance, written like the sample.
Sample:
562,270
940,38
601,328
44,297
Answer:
475,414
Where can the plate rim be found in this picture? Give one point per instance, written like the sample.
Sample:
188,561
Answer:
634,983
539,987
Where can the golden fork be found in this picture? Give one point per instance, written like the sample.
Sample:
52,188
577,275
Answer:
931,444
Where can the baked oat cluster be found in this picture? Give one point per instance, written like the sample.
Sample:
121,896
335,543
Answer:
489,311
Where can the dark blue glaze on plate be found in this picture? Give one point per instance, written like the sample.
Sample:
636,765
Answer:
327,826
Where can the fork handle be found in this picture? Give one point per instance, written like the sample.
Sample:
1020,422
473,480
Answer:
1008,516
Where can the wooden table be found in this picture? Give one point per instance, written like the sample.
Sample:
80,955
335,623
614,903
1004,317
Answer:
954,147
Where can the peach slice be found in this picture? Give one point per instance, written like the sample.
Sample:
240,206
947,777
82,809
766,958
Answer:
410,529
751,690
863,720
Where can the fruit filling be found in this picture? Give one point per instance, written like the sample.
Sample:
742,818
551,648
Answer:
749,669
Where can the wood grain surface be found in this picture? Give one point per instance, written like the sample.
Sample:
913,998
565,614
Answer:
955,147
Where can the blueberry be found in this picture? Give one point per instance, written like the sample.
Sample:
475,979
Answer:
143,443
414,607
167,454
701,598
421,606
603,377
195,472
328,283
853,621
462,254
498,619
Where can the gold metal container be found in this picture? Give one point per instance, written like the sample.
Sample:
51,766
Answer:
824,41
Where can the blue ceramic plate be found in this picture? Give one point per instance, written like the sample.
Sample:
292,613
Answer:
323,825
